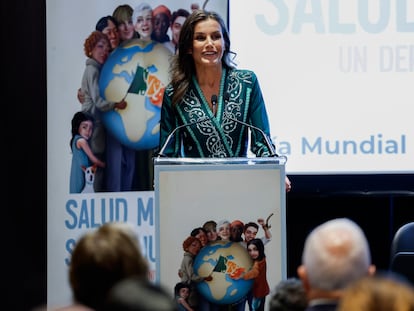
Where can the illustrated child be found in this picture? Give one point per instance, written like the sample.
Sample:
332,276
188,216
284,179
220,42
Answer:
210,227
177,20
82,155
181,292
96,49
251,229
236,231
126,29
161,22
191,247
200,234
258,272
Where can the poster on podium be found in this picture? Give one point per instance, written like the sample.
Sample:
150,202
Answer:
227,195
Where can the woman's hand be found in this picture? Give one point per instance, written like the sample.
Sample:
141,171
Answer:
288,184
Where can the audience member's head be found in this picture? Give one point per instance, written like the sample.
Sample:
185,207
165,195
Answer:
288,295
138,294
378,293
336,253
101,258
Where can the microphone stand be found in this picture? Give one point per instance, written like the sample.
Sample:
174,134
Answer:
269,144
169,137
266,137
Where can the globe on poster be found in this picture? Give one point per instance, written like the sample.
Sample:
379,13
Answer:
137,71
221,260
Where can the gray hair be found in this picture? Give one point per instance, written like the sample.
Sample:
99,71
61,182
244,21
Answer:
336,253
139,9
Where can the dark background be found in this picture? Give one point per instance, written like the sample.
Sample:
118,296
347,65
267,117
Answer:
380,204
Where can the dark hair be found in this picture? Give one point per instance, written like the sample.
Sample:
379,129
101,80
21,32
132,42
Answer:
260,247
77,119
179,12
196,231
100,259
103,22
179,286
183,65
288,295
251,224
138,294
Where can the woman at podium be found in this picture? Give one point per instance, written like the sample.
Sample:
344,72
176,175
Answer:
209,106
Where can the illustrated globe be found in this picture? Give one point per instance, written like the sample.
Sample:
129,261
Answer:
137,71
221,260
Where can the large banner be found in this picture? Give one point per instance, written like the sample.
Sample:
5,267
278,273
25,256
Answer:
136,72
337,78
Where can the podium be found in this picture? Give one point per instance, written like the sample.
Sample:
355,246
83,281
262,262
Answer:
190,191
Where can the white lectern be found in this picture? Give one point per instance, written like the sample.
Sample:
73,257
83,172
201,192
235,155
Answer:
190,191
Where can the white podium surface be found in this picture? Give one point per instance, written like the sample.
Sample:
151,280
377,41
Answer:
189,192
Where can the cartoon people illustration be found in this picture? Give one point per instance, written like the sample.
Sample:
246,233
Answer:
143,21
258,272
161,21
210,227
181,293
191,247
177,20
200,234
236,231
223,230
123,15
96,48
82,155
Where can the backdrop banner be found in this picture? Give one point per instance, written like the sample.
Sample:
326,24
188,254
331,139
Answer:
133,71
337,78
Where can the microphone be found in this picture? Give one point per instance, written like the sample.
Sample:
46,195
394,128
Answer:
266,137
214,103
169,137
226,97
